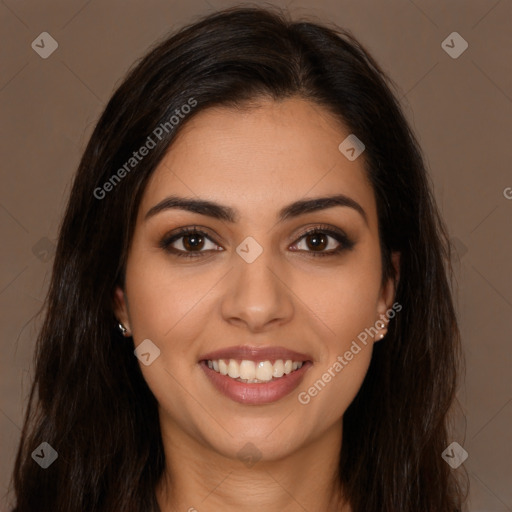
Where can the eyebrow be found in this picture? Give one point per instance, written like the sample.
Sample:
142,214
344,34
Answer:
226,213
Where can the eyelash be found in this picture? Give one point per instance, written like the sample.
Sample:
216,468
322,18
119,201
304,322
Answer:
339,236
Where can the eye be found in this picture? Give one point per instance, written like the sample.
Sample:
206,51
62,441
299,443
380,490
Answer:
192,242
318,239
188,241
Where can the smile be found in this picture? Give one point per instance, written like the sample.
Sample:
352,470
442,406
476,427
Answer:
255,375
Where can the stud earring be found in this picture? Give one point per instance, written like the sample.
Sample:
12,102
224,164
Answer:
123,329
382,335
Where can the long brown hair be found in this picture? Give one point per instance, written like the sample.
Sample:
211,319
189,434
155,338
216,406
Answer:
89,400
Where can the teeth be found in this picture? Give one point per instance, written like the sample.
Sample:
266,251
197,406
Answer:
247,370
233,369
223,367
264,371
251,372
278,370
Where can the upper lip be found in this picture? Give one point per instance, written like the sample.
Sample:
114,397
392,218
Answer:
255,354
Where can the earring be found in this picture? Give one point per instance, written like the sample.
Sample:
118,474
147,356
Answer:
382,335
123,329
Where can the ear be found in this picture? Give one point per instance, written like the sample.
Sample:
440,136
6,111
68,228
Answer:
388,291
121,308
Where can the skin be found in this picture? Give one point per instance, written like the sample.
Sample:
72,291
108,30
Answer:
255,160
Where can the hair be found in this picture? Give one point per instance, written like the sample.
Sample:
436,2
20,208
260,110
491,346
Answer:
89,400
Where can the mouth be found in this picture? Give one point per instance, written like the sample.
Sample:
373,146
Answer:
255,376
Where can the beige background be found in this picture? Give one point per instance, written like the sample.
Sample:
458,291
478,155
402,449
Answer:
461,110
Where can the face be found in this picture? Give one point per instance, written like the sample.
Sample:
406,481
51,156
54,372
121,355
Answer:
256,282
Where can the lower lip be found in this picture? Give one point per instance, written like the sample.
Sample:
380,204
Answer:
256,394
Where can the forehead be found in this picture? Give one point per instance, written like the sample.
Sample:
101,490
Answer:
260,158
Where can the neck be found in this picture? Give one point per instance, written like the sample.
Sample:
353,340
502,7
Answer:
197,478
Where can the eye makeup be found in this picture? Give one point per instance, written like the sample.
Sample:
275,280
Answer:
196,236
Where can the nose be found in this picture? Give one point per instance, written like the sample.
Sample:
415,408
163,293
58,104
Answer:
257,295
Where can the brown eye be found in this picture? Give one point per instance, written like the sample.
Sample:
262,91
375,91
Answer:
193,242
323,242
189,242
316,241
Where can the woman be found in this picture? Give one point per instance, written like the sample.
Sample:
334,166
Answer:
250,306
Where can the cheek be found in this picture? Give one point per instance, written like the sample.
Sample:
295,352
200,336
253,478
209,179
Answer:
328,394
169,308
347,350
162,301
344,305
343,301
